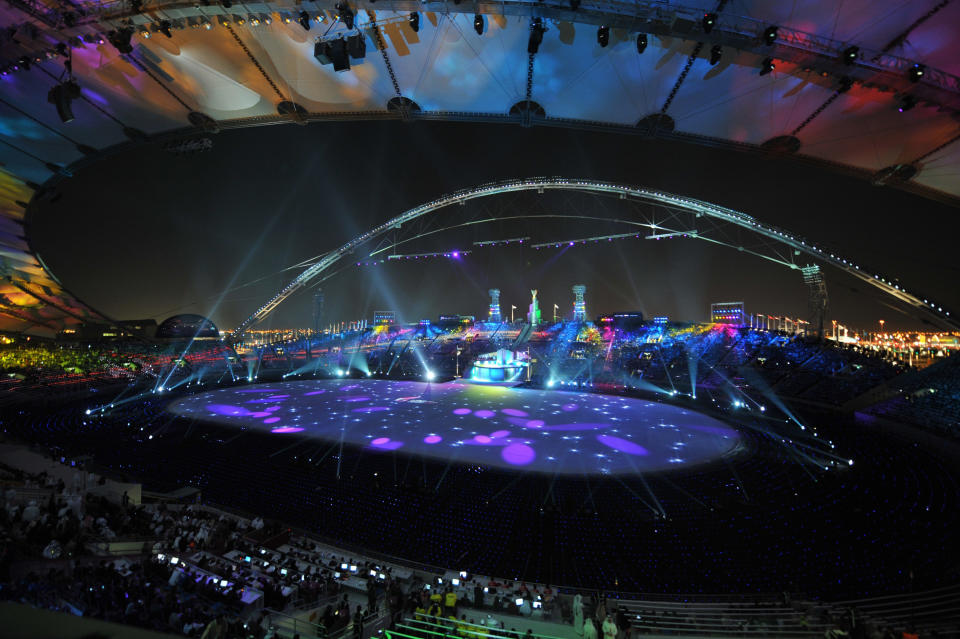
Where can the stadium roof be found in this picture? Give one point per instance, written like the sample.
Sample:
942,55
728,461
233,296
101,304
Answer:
865,88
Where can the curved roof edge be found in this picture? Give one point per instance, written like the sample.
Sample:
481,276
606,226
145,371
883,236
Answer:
32,300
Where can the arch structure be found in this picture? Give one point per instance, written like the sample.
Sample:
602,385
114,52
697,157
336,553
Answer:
664,216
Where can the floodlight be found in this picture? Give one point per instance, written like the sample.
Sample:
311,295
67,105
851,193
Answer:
770,35
641,42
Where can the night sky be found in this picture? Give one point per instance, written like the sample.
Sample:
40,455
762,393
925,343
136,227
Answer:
148,234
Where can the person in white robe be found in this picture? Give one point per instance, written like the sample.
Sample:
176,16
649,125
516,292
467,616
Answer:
609,628
578,613
589,630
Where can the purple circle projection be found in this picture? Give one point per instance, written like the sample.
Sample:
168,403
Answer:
535,430
623,445
518,454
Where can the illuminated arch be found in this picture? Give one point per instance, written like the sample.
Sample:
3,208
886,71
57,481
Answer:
689,218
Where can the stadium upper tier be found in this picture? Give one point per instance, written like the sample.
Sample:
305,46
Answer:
866,88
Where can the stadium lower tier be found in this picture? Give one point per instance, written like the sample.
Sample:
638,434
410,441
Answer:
787,511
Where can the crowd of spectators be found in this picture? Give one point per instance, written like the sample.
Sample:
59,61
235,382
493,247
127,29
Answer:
29,368
929,397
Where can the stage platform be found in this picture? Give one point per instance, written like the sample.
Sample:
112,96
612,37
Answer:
535,430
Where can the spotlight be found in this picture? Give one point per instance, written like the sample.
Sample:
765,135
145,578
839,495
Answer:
767,66
536,35
287,19
603,36
916,72
641,42
165,28
478,24
145,34
345,13
770,35
850,54
415,21
709,20
24,63
121,39
907,103
716,52
206,23
846,82
304,19
430,375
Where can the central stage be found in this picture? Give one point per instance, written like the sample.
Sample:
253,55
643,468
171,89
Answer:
535,430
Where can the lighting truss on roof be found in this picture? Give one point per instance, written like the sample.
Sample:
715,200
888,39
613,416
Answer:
512,240
584,240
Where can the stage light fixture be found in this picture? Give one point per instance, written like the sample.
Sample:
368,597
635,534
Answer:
850,55
716,52
414,21
907,102
536,35
641,42
121,39
846,83
574,5
145,34
709,21
304,19
61,96
770,35
478,24
226,4
916,72
767,66
165,28
603,36
345,13
206,23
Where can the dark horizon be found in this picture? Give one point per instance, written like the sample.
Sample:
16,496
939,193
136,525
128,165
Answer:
161,234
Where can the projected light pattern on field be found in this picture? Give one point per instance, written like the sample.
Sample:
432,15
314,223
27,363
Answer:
537,430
